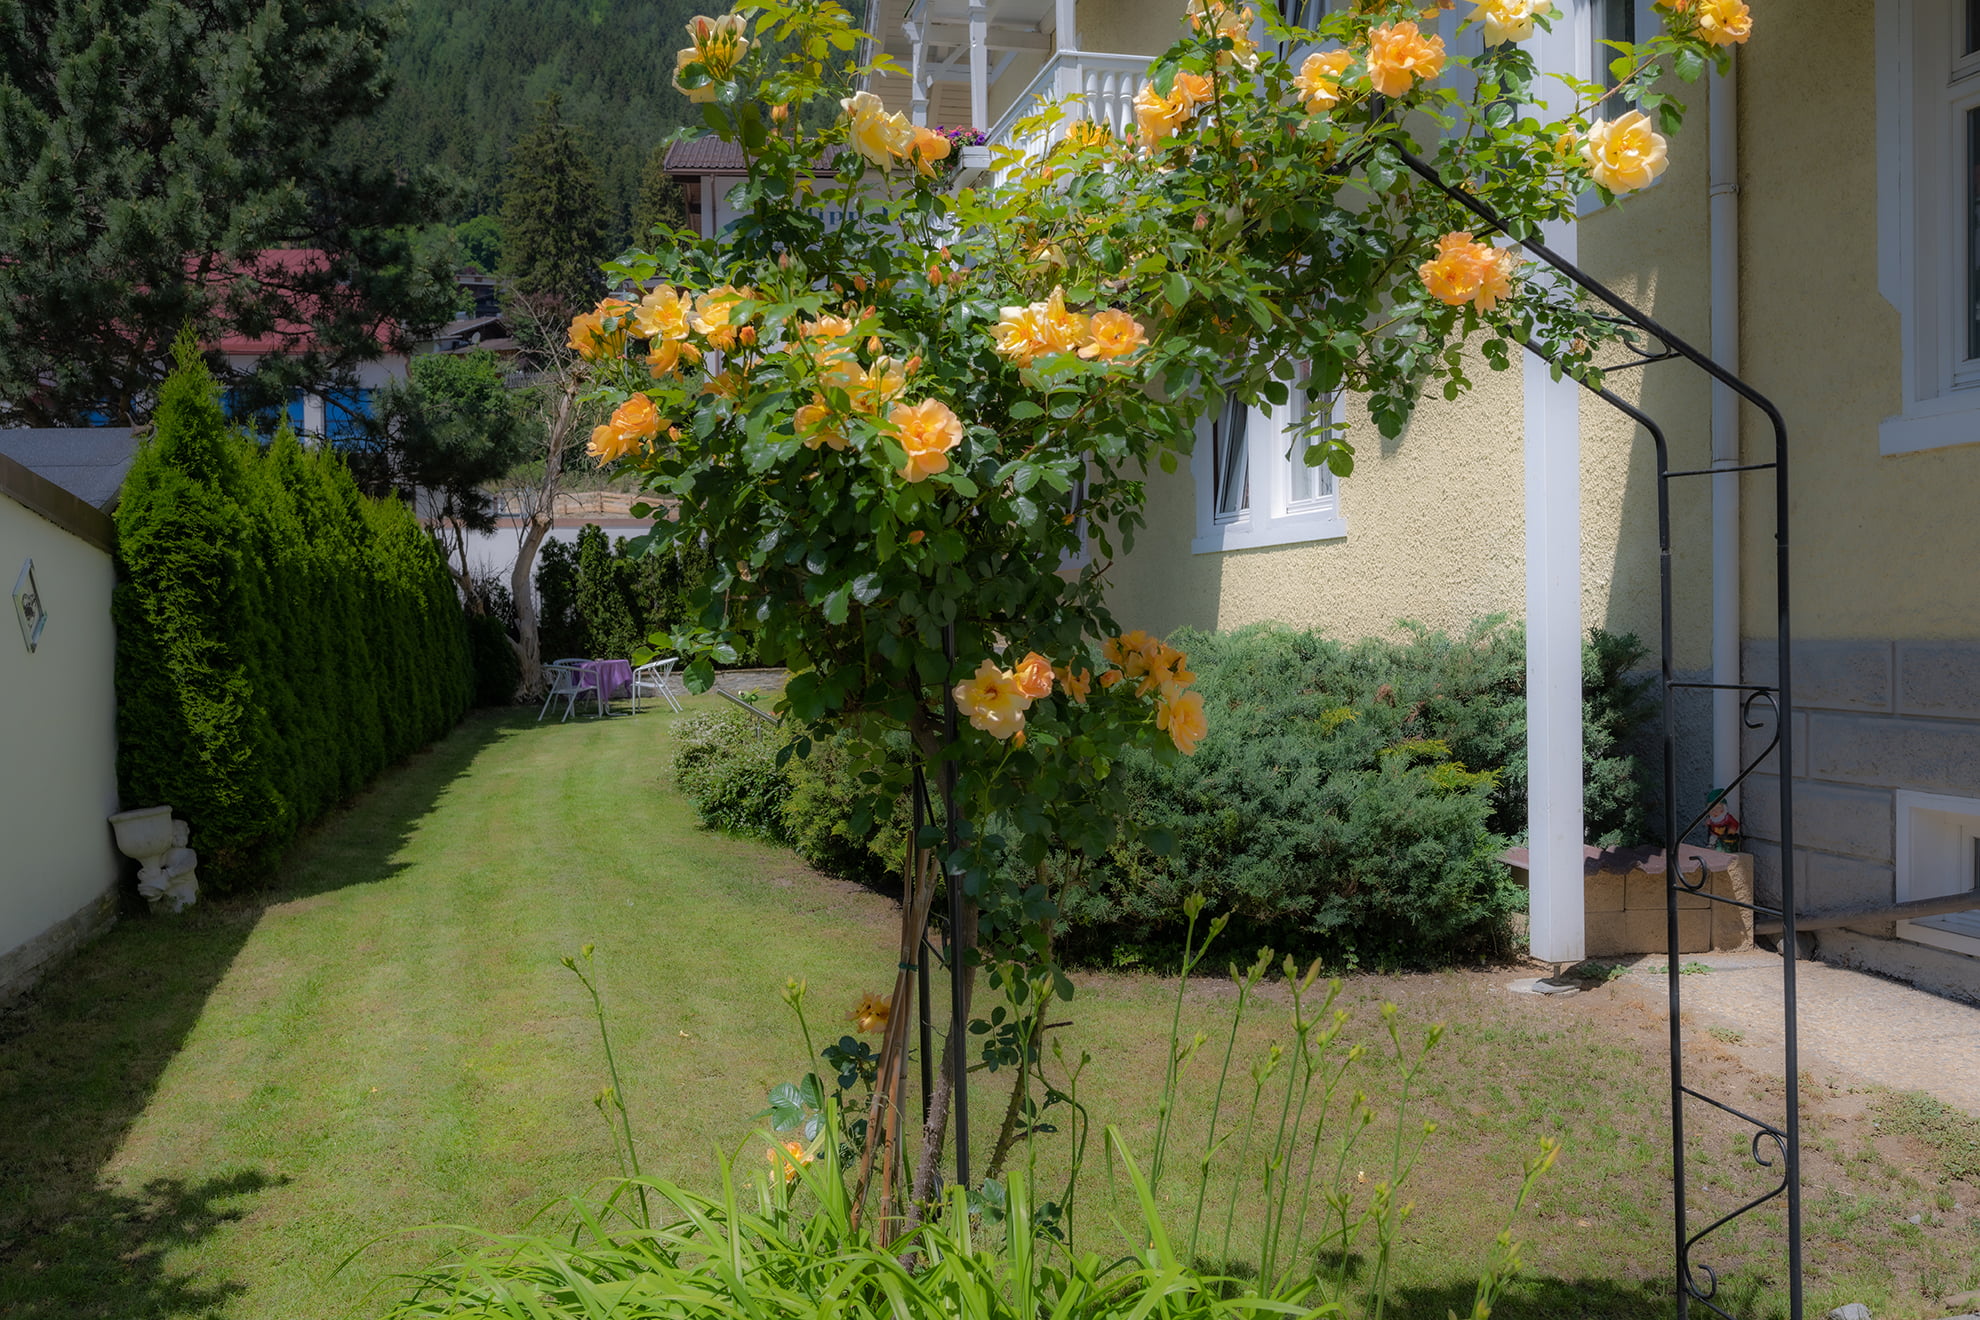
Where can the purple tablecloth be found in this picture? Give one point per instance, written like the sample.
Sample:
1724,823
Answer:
610,677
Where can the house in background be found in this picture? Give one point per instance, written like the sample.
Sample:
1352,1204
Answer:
1816,232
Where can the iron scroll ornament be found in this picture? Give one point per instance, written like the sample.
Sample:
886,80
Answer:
1773,1146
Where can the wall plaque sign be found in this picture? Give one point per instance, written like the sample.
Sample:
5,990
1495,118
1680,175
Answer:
28,607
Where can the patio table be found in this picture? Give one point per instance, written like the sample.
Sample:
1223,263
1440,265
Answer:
610,677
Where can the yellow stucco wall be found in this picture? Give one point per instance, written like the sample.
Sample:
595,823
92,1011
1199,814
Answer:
1882,546
58,751
1436,521
1134,27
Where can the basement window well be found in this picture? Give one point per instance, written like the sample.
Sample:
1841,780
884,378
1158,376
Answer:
1938,853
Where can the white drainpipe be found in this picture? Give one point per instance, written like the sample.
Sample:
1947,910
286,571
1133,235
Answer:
1724,206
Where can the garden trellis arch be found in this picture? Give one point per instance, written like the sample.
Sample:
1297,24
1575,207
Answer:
1774,1146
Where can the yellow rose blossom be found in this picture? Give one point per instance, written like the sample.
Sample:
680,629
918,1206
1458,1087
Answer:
877,386
1113,334
993,701
1508,20
1041,328
926,148
1034,676
661,314
1724,22
1625,154
1156,116
1191,90
1399,57
634,423
718,48
1184,720
870,1013
875,134
1319,79
1214,19
927,431
714,312
588,337
827,327
814,425
667,356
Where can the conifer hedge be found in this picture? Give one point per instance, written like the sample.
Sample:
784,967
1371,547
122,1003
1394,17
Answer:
280,637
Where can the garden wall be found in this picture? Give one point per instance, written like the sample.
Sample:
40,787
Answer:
58,760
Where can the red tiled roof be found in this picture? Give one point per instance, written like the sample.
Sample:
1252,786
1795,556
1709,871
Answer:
275,265
711,155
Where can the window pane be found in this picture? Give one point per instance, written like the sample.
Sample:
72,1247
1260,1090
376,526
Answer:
1232,490
1307,485
1972,42
1973,233
1615,20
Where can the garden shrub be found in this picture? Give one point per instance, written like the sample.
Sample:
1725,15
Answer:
1349,798
280,638
1347,801
726,765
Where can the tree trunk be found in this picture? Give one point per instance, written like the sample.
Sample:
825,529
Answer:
542,517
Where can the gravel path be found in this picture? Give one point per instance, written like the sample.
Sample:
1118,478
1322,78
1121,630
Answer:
1874,1030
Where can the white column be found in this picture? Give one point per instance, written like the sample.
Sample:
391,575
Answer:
979,66
917,75
1071,77
1553,654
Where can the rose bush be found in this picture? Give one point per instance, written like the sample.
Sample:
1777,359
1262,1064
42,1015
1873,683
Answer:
911,424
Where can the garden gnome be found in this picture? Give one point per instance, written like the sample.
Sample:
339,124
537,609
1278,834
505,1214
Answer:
173,884
1721,824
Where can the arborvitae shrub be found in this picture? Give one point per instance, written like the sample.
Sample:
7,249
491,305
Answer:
280,638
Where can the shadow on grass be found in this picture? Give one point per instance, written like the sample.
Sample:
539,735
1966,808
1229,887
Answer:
81,1056
1543,1297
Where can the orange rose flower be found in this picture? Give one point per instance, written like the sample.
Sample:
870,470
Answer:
1464,271
1075,685
1399,57
927,431
589,338
661,314
635,423
1724,22
1113,334
1319,79
1184,721
814,425
1034,676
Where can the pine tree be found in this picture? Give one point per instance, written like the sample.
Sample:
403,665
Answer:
554,221
156,152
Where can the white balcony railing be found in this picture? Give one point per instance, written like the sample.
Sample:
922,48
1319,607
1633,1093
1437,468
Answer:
1102,88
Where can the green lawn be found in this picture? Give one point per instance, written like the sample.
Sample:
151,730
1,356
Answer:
203,1116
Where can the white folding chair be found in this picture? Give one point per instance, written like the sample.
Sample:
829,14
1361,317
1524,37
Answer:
568,680
656,678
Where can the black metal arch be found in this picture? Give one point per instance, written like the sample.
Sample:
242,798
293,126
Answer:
1774,1146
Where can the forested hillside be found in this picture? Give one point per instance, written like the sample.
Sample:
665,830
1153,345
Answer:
470,73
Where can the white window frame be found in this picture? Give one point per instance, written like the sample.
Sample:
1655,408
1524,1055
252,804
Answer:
1936,841
1586,62
1275,515
1925,86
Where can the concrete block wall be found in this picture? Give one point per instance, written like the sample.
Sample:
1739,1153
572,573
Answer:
1870,718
